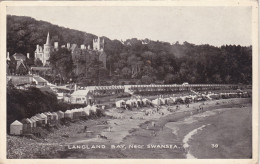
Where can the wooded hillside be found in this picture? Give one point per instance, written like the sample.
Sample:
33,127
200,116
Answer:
144,60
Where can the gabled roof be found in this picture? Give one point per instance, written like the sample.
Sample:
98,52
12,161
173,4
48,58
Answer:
16,123
39,80
20,63
80,93
19,56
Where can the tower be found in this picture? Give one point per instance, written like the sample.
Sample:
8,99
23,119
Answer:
98,44
47,50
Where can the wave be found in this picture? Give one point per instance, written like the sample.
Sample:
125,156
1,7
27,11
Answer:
187,137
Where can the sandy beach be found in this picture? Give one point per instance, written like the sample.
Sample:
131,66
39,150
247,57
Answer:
183,133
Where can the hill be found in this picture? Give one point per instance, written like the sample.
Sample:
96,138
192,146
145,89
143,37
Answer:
145,60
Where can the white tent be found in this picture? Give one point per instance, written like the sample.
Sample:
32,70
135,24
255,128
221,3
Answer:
156,101
86,111
88,107
120,103
93,108
16,128
129,102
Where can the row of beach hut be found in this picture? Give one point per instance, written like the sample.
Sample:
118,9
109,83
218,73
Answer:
30,125
173,100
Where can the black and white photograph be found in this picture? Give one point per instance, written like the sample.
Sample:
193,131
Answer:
129,81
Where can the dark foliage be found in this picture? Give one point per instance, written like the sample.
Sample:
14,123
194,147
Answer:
26,103
145,60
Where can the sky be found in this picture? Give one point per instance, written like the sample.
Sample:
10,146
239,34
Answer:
199,25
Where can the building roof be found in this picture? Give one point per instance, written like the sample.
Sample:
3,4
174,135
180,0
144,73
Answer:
40,68
19,80
39,80
19,56
16,123
80,92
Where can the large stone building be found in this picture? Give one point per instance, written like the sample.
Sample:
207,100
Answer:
82,55
16,64
79,54
43,53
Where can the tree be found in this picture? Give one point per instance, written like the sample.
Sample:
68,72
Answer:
62,64
169,78
38,62
146,80
126,72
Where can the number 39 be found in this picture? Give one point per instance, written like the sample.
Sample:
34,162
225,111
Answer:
214,146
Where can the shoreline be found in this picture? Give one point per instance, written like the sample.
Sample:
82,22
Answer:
131,129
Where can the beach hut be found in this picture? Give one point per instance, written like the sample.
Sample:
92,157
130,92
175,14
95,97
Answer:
144,101
33,122
27,125
162,101
16,128
134,102
39,121
120,103
139,102
42,117
81,111
76,113
55,116
60,114
49,116
68,114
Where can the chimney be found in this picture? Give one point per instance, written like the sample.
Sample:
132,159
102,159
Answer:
56,45
88,47
37,48
28,55
68,45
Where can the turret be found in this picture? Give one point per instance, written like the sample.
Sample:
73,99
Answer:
37,48
48,39
8,57
56,45
83,47
68,45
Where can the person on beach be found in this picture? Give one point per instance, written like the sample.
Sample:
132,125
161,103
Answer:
153,124
85,128
187,105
